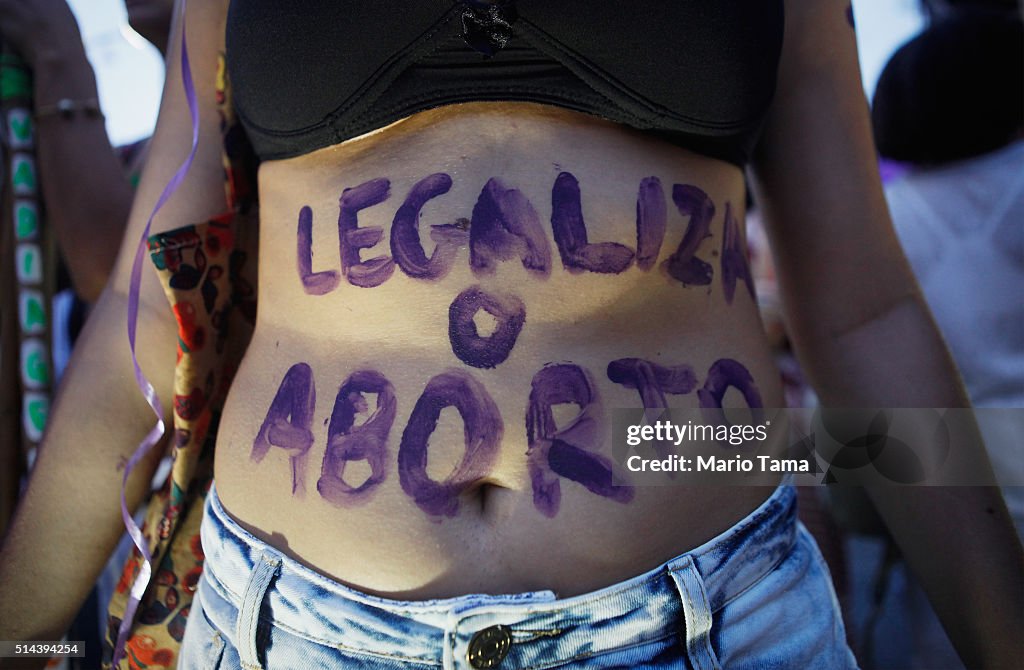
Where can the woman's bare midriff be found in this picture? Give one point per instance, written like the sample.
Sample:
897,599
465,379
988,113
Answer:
338,480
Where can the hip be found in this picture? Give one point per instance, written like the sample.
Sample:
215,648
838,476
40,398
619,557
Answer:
756,594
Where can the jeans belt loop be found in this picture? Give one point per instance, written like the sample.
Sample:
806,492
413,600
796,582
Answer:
249,615
697,613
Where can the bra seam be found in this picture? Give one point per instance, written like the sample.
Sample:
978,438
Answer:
544,92
414,51
420,47
659,112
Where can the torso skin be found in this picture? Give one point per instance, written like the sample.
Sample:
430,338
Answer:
498,535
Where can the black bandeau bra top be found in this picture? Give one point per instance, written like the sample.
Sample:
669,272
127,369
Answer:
307,74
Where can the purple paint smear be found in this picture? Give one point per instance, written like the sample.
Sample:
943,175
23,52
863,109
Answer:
467,344
653,381
651,221
314,283
726,372
589,469
570,232
288,421
734,261
505,225
377,270
683,265
562,451
368,441
405,239
483,429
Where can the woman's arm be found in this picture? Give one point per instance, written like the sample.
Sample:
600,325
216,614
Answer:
69,519
86,190
861,327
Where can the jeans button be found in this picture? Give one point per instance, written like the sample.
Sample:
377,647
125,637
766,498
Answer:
489,647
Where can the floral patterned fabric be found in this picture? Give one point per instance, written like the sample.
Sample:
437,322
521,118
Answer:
208,273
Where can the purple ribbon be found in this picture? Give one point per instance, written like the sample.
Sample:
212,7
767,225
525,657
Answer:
142,580
891,170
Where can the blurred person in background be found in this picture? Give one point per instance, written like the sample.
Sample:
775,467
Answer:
87,185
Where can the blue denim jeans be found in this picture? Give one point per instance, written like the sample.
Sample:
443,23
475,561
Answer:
757,596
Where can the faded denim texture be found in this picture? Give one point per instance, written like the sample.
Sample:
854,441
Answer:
756,597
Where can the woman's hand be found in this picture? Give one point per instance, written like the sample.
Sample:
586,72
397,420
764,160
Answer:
43,32
86,190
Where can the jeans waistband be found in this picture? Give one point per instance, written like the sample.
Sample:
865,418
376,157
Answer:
240,566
